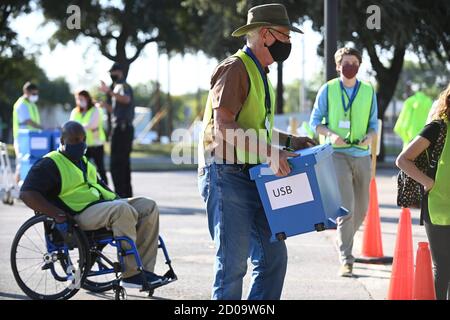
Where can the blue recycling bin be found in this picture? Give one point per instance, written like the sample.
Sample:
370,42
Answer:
306,200
36,144
56,136
25,165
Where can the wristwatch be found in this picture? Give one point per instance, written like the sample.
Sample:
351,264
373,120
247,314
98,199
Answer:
288,142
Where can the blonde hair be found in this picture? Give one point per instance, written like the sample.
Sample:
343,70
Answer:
443,105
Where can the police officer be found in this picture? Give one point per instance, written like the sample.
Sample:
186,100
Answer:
120,103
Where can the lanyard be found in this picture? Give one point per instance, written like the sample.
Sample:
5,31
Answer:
350,99
263,74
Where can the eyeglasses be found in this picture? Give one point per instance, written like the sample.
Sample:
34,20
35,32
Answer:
286,36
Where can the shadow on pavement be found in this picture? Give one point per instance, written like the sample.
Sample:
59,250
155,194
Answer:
181,211
415,221
13,296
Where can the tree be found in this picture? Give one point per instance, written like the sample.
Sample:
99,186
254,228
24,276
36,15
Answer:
17,69
122,29
419,26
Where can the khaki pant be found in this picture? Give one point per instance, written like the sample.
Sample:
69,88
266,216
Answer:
136,218
353,175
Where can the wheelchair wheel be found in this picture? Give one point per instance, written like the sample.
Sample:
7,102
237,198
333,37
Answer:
104,265
47,262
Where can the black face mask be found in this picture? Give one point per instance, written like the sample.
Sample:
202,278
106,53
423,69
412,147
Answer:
279,51
75,151
114,77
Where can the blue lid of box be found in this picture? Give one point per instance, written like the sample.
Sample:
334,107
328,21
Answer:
307,157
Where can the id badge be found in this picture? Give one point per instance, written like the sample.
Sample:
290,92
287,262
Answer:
344,124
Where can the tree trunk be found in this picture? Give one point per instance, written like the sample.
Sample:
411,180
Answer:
387,79
279,108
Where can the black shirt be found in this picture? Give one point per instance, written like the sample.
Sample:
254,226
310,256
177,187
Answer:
122,112
44,177
431,133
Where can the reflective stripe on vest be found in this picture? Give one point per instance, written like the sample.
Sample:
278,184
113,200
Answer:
32,111
439,196
93,137
77,190
359,112
251,116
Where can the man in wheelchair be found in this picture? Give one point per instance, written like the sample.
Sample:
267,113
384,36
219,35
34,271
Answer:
64,185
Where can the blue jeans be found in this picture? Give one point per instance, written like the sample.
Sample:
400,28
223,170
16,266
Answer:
240,230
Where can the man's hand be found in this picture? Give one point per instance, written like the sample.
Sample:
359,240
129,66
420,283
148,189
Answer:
366,141
278,161
103,87
337,140
299,143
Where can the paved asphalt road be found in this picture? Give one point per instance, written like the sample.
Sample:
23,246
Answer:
313,263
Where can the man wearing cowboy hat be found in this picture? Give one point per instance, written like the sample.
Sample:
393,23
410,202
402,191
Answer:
238,134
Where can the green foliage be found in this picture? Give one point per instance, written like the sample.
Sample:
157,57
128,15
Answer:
16,69
122,25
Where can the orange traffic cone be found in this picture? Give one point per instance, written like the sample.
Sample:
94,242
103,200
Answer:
423,278
402,277
372,245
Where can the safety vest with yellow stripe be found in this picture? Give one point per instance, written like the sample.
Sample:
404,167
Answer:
32,111
79,189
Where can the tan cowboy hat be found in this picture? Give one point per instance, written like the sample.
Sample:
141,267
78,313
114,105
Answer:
273,14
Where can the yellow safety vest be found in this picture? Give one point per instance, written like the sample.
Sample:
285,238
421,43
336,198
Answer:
251,116
32,111
93,137
357,116
79,190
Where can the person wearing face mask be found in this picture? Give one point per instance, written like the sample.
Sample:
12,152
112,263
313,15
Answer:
241,98
25,116
65,183
91,118
121,105
345,112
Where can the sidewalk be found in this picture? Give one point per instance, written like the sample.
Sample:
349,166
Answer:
313,261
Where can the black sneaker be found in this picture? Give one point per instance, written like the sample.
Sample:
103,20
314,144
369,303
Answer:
134,282
155,280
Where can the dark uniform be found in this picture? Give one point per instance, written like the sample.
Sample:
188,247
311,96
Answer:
122,139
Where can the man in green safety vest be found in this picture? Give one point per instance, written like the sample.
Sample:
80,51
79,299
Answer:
25,111
345,112
65,183
413,116
238,133
25,116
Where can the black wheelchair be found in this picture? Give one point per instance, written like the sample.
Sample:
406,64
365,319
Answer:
52,261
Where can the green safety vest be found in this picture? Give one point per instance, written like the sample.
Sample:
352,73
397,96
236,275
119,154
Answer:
413,116
358,115
92,136
32,111
439,196
79,191
251,116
